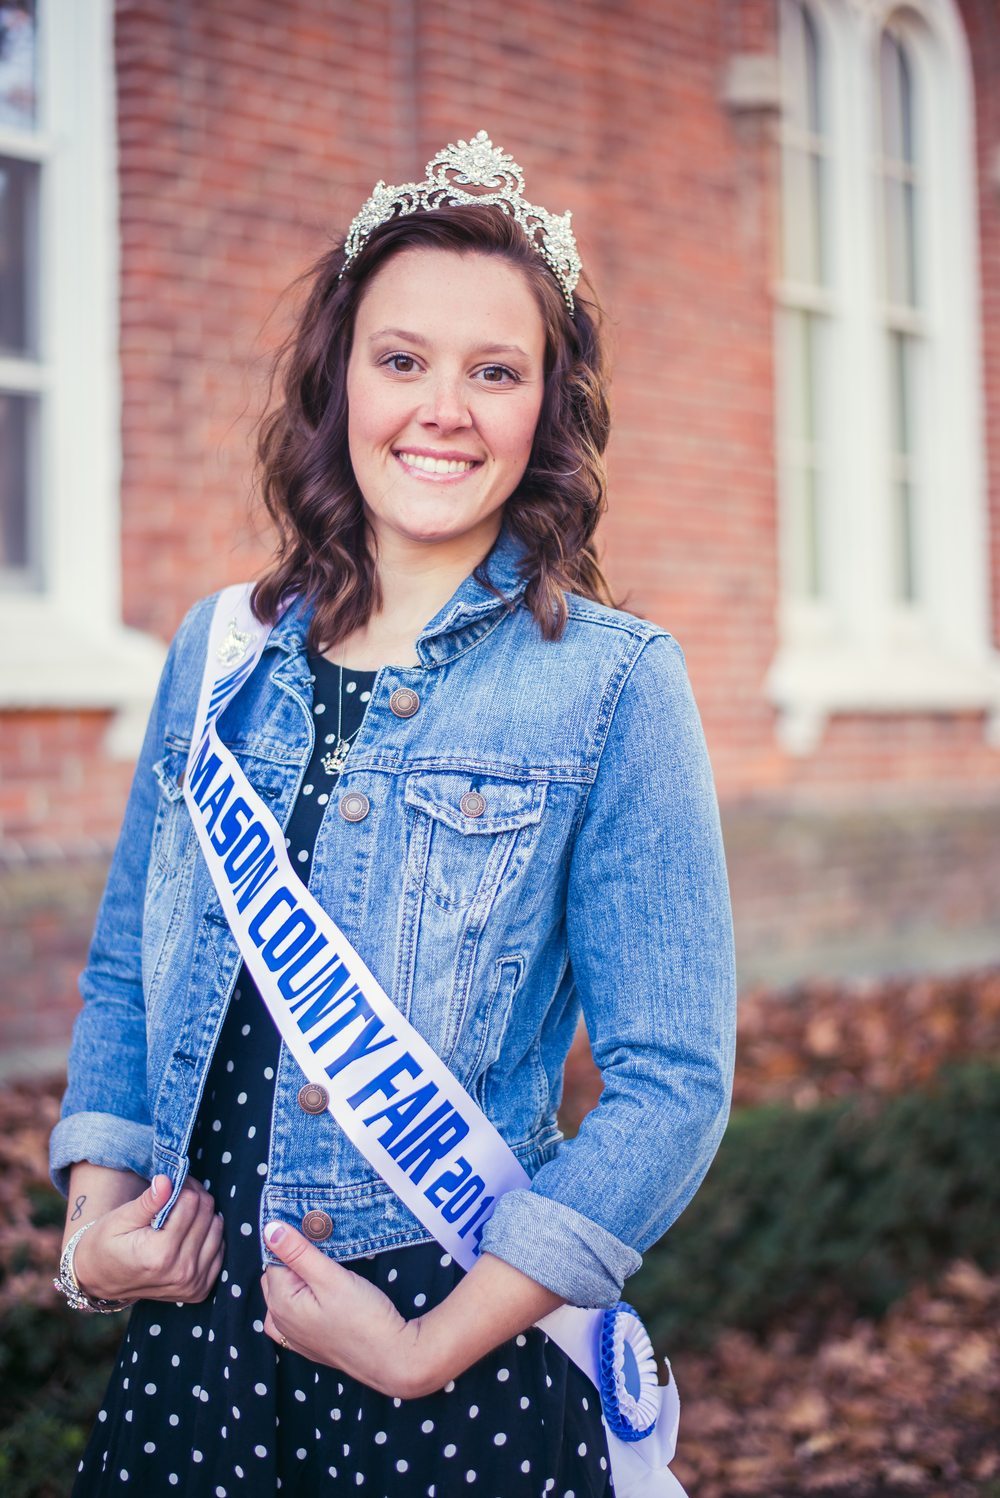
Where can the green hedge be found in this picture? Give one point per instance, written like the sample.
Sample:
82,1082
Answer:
54,1366
847,1203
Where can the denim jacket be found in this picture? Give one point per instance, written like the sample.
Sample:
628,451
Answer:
594,878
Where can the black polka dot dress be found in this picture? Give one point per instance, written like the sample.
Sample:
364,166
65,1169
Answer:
203,1403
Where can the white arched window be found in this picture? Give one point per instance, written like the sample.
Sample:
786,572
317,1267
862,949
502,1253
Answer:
884,591
904,323
62,643
803,330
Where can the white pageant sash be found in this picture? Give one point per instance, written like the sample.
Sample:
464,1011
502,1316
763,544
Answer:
389,1091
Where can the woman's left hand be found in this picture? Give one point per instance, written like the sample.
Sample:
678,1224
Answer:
330,1315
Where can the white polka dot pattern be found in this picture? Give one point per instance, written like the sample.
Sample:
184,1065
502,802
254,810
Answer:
212,1392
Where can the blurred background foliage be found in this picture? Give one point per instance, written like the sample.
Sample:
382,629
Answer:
54,1363
848,1204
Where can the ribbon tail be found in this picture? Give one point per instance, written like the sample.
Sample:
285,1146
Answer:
633,1476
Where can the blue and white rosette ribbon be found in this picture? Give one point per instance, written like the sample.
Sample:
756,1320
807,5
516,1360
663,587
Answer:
629,1385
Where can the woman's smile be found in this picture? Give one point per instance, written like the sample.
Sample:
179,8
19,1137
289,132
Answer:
425,463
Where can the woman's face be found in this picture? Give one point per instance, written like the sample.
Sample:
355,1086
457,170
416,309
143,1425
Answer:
444,387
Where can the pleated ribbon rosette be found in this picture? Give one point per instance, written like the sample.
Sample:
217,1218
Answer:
628,1374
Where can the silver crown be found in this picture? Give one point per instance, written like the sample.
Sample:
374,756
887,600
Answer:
475,164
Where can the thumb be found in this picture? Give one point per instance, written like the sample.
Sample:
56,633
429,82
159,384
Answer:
294,1250
140,1212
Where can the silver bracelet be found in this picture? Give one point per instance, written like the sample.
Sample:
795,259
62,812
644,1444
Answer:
67,1284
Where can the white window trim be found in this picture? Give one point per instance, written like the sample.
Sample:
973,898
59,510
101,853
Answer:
857,652
64,646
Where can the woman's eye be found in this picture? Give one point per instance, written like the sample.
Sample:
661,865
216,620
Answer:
402,363
496,374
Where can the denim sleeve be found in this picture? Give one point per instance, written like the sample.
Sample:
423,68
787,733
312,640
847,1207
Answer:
651,947
105,1115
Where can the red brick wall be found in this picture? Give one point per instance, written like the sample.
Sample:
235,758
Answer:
54,772
247,134
982,24
249,131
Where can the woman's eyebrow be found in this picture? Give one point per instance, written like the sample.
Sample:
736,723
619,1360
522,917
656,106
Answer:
501,348
400,333
406,336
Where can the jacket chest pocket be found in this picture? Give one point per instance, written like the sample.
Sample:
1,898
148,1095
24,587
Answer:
469,835
172,823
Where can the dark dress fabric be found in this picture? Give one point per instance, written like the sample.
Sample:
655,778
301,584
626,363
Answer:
203,1403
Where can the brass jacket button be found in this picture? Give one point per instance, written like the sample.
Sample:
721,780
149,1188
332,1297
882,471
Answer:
313,1098
404,702
354,807
472,804
317,1226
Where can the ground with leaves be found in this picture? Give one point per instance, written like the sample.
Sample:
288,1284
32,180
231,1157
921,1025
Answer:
907,1406
54,1363
822,1401
814,1401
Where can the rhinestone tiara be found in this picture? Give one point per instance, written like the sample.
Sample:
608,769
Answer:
477,163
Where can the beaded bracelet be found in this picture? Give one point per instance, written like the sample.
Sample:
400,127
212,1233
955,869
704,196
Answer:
67,1284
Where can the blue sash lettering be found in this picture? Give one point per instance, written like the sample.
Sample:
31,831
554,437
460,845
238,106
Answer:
214,803
385,1082
420,1129
289,939
230,827
400,1115
434,1146
331,994
487,1201
286,985
358,1048
463,1199
256,878
204,769
449,1181
281,896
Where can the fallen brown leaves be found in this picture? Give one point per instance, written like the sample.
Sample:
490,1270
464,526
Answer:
824,1040
912,1405
29,1255
909,1406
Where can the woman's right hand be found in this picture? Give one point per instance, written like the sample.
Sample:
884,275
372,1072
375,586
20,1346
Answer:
123,1258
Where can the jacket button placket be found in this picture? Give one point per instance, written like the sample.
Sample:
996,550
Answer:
354,807
317,1226
404,702
313,1098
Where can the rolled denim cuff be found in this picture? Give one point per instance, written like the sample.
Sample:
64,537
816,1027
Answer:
102,1139
560,1248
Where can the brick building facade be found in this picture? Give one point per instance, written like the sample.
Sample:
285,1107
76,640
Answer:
247,133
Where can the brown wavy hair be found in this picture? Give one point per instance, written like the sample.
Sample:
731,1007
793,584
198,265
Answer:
326,549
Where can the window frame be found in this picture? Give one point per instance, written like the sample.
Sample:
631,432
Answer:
859,648
62,640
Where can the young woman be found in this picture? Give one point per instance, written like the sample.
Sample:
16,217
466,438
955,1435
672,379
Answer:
498,787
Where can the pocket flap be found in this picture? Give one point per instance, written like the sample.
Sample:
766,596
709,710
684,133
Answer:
169,769
509,804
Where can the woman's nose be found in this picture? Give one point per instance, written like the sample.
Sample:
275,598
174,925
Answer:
445,406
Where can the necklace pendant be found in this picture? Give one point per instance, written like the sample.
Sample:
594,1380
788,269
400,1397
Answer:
334,762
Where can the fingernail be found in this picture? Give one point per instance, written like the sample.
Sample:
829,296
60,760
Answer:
274,1232
152,1189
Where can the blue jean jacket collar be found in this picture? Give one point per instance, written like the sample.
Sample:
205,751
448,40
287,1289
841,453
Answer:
471,613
